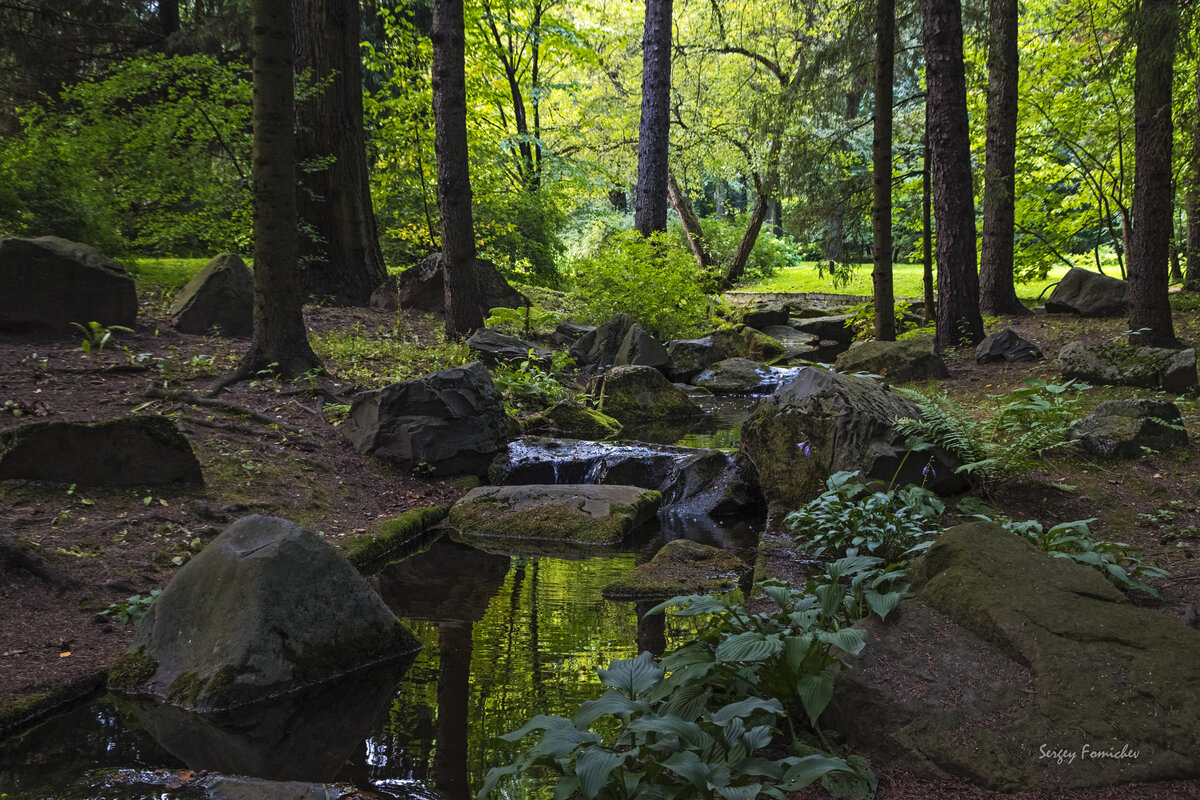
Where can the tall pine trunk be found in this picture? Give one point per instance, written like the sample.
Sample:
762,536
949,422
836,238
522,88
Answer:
1192,201
958,318
464,314
654,133
340,257
881,168
997,292
280,341
1149,306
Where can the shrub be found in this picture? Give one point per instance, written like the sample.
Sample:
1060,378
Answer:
652,279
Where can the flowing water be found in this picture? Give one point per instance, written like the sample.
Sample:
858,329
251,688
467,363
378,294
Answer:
506,635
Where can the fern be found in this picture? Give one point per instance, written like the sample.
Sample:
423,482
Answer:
1025,424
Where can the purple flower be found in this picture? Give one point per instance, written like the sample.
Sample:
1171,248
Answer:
929,472
805,448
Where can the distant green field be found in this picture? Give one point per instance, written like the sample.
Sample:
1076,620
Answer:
906,281
163,273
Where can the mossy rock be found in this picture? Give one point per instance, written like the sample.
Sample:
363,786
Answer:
910,360
265,609
636,393
680,567
391,534
1003,654
574,419
586,514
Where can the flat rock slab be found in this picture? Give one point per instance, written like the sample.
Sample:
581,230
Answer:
1120,364
1089,294
132,451
1126,428
49,283
680,567
583,513
910,360
1022,671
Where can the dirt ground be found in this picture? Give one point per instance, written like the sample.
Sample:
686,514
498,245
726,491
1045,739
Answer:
113,544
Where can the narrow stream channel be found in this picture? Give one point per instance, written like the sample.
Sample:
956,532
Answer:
506,636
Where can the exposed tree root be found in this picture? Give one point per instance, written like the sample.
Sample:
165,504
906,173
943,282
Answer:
191,398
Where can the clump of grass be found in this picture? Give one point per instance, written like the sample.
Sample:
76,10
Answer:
375,359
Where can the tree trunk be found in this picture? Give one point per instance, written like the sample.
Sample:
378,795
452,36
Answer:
1192,201
741,256
691,223
339,252
927,230
618,200
881,170
654,132
280,341
464,313
719,198
1149,306
959,321
997,293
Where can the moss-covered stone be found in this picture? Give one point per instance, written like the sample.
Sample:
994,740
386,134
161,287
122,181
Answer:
910,360
588,514
391,534
34,706
680,567
574,419
635,393
131,670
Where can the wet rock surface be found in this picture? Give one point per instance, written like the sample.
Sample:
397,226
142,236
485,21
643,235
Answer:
584,514
681,567
909,360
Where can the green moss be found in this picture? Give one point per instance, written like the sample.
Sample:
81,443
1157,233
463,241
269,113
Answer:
681,567
321,661
391,534
34,706
493,516
186,688
131,670
573,418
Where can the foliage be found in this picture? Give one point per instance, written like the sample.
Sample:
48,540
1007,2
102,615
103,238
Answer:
518,230
95,335
1073,540
527,386
525,321
131,609
862,319
652,279
386,355
668,747
770,255
1023,426
853,516
150,157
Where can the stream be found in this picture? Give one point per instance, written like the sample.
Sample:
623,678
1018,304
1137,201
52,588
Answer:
506,635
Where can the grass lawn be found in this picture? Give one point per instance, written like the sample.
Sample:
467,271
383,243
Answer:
167,274
906,281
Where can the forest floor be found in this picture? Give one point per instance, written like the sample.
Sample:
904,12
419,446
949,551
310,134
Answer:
114,544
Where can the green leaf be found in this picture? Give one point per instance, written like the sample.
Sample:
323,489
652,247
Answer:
808,769
691,768
538,723
747,792
612,702
560,741
493,777
744,708
749,646
593,768
815,693
779,595
632,675
882,604
687,732
852,640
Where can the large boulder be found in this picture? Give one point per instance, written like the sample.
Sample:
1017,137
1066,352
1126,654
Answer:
680,567
50,283
619,342
494,347
1005,346
742,376
423,287
689,357
837,327
582,514
695,480
1020,671
1120,364
636,393
571,418
1089,294
825,422
765,314
265,609
453,421
910,360
788,336
132,451
568,333
1126,428
218,298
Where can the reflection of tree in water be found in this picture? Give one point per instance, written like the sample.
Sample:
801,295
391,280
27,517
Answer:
516,637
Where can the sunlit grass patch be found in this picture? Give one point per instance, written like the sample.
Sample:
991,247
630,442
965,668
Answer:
376,358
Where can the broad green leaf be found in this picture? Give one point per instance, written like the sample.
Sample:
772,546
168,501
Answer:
493,778
560,741
815,693
538,723
852,640
593,767
611,702
747,792
691,768
749,646
632,675
744,708
808,769
881,604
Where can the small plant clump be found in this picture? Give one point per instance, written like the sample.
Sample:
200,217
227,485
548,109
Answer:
131,609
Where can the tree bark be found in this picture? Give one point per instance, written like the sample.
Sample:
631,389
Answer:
927,230
881,170
1149,306
958,318
280,341
1192,201
691,223
654,133
997,292
339,252
464,314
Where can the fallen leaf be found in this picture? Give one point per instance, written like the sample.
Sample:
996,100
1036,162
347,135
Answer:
64,655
